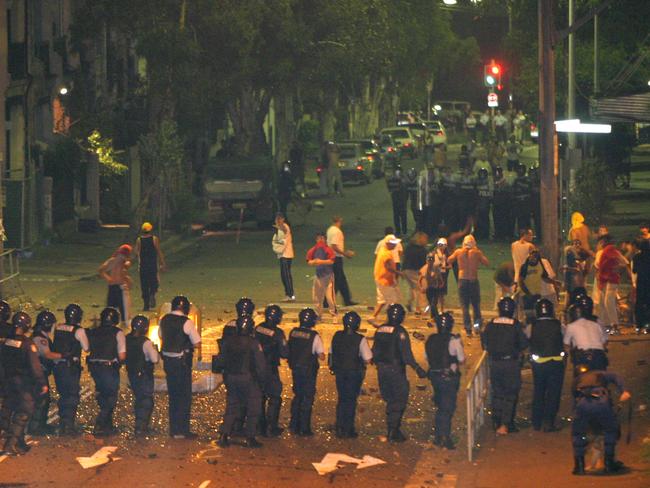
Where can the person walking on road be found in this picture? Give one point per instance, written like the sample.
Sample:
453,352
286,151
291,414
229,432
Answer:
321,256
141,359
547,360
115,271
152,261
297,158
415,256
444,353
386,276
179,338
391,351
349,356
305,351
283,247
469,258
334,180
336,240
399,196
504,340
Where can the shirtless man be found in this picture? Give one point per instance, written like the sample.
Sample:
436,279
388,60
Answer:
469,258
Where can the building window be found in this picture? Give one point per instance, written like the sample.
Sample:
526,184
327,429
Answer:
60,120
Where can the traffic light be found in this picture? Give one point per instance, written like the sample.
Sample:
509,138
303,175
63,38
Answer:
492,74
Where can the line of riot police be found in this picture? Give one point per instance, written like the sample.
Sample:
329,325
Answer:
508,198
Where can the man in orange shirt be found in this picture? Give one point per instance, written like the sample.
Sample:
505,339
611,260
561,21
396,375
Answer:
386,275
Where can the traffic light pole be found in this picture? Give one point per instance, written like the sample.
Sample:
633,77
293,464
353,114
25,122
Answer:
549,194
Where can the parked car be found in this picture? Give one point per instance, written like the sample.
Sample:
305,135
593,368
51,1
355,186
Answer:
390,150
354,164
405,118
438,130
404,137
373,153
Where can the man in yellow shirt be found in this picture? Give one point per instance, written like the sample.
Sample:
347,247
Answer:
386,275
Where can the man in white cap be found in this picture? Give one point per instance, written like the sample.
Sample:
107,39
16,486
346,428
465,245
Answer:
386,275
469,258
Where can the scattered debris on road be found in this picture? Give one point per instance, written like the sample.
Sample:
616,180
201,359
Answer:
103,456
331,460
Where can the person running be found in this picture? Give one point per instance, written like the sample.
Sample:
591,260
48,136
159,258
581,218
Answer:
283,248
469,258
151,260
115,270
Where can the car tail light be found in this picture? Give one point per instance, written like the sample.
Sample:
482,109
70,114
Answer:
407,144
391,149
438,132
371,157
319,169
359,167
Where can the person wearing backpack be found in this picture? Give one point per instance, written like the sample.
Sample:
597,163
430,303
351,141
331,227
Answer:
444,353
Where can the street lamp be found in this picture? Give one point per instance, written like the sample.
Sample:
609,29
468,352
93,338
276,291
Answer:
63,90
450,2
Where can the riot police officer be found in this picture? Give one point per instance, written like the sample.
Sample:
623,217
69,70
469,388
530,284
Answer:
594,409
428,199
141,359
547,359
485,193
585,337
502,206
398,197
24,376
391,353
504,340
449,201
411,186
69,340
444,353
275,347
466,198
305,350
522,204
244,306
349,355
45,320
5,330
179,337
107,352
244,369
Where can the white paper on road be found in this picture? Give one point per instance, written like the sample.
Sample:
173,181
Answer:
331,460
103,456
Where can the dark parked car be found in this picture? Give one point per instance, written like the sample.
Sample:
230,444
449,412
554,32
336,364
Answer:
374,154
354,164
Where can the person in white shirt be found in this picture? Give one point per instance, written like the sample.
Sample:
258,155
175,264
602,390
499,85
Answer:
500,127
520,250
389,234
283,247
470,123
585,338
336,240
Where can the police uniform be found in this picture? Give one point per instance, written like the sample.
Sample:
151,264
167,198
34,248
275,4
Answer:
141,358
349,354
44,345
428,200
24,377
522,204
5,330
504,339
178,336
450,202
69,341
502,210
305,346
587,340
466,200
275,347
485,194
107,342
593,409
391,351
411,187
444,351
398,197
547,359
244,369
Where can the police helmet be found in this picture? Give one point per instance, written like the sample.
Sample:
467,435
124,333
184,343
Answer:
483,174
445,323
395,314
139,323
351,320
181,303
498,172
586,305
307,317
521,170
273,314
45,320
506,307
577,292
244,306
245,325
411,172
544,308
533,173
73,314
109,317
21,320
5,311
574,312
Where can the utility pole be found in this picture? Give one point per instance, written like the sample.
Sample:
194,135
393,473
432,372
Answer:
571,82
547,155
596,80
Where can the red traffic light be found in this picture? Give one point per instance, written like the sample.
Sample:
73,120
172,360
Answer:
495,69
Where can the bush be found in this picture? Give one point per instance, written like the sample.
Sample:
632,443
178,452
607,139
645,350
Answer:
308,136
590,195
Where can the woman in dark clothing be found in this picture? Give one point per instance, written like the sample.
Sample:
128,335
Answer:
641,268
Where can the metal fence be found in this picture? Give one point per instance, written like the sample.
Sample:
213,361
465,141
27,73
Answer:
9,266
477,390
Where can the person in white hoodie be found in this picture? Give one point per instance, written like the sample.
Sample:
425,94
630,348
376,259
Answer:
283,247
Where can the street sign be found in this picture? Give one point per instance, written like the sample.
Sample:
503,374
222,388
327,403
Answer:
493,100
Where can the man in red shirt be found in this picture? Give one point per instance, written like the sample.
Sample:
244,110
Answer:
322,257
611,264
